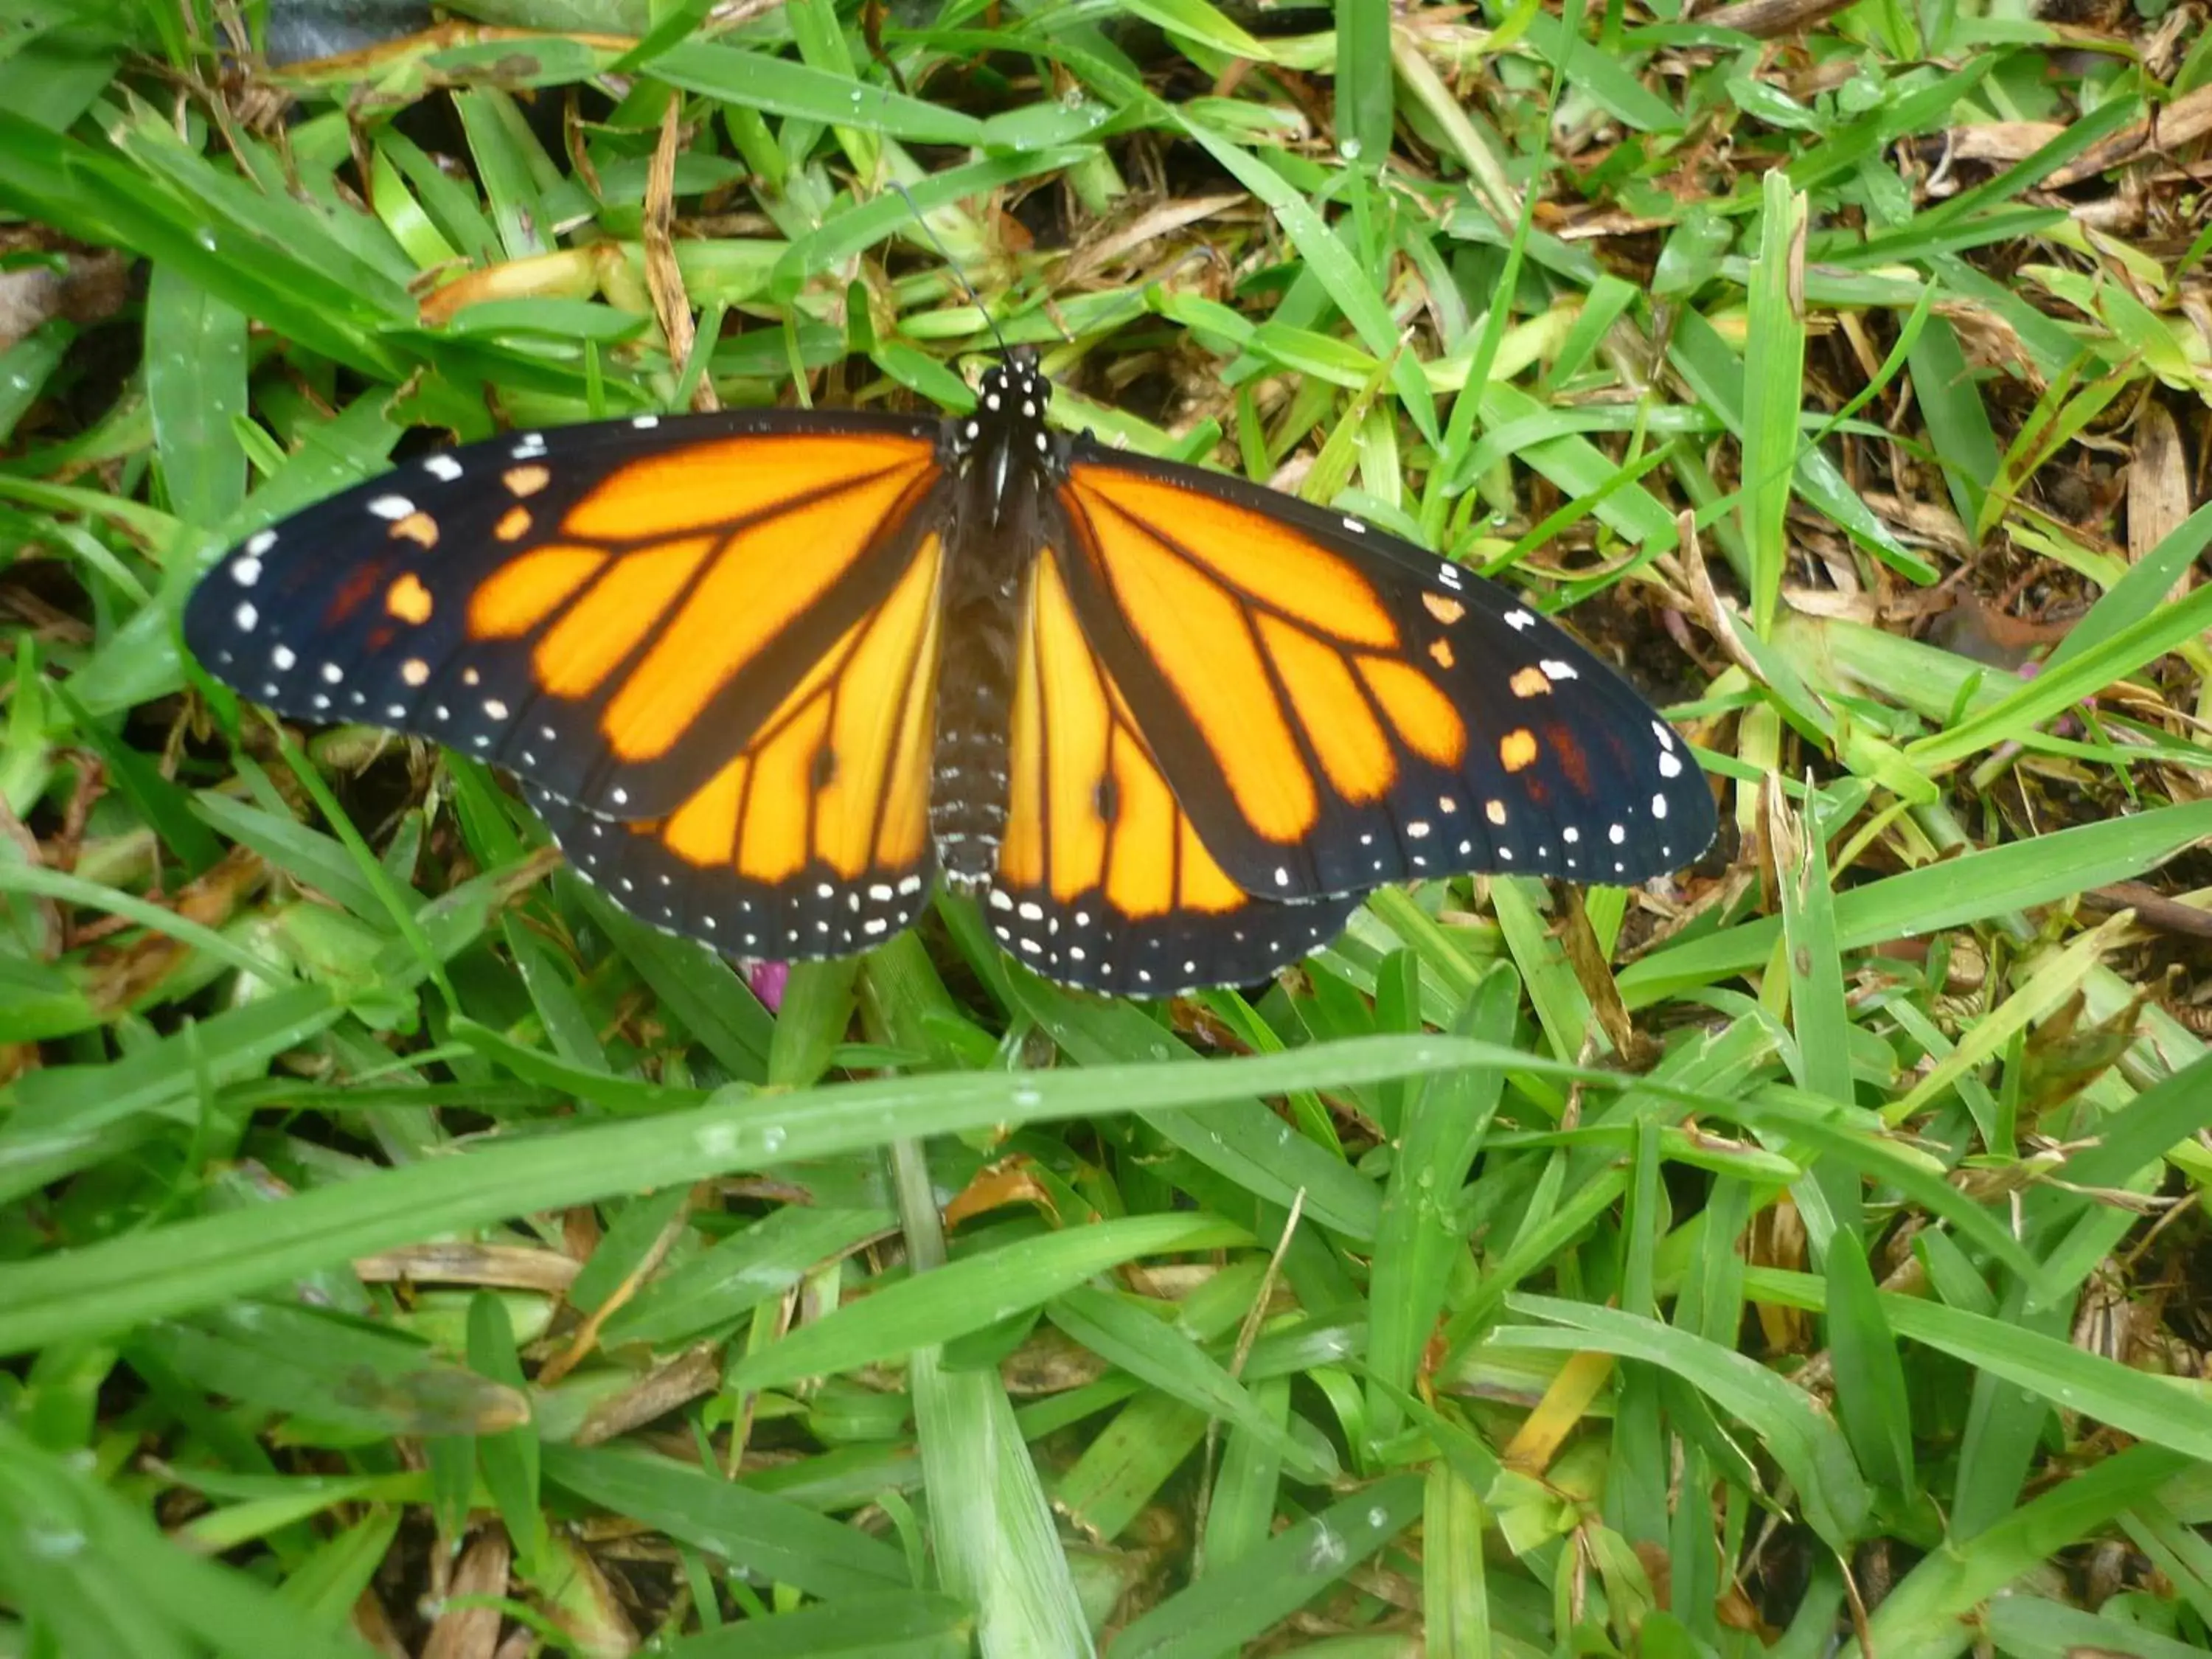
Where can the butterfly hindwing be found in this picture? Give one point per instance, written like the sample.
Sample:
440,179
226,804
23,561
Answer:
1102,879
1335,710
813,838
603,610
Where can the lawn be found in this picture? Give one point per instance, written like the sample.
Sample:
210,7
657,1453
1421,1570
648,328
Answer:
405,1251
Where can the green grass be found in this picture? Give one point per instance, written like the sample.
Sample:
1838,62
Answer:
393,1236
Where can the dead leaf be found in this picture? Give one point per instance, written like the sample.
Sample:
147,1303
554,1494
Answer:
662,275
997,1186
472,1632
2158,487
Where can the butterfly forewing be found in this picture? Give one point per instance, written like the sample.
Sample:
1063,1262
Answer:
1335,710
608,611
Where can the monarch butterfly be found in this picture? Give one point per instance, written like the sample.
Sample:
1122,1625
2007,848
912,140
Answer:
770,676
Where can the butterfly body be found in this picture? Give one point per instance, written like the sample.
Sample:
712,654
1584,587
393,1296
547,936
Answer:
998,459
772,677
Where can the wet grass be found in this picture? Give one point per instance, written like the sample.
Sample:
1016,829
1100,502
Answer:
402,1249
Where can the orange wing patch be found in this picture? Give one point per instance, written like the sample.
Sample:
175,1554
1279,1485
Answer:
1089,811
409,600
1347,738
1425,718
1204,644
700,563
757,584
524,593
838,778
1103,880
1280,651
620,613
731,480
1244,550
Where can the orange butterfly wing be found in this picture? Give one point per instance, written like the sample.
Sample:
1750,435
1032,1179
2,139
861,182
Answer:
611,612
1104,880
1332,709
813,839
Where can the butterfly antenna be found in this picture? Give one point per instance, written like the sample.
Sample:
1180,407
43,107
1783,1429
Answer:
953,265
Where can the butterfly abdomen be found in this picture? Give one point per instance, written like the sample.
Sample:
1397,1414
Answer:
968,794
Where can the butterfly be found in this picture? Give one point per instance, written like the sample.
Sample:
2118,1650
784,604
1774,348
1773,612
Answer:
771,677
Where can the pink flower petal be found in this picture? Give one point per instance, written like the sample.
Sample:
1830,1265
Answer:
767,980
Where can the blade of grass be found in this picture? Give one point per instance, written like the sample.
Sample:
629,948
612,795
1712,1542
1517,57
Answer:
1223,1611
1773,381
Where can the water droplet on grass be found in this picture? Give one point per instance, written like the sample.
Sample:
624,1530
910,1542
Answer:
54,1543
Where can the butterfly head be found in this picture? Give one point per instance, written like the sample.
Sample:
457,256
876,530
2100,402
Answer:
1014,388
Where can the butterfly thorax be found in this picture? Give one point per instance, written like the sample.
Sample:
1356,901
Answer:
1000,456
